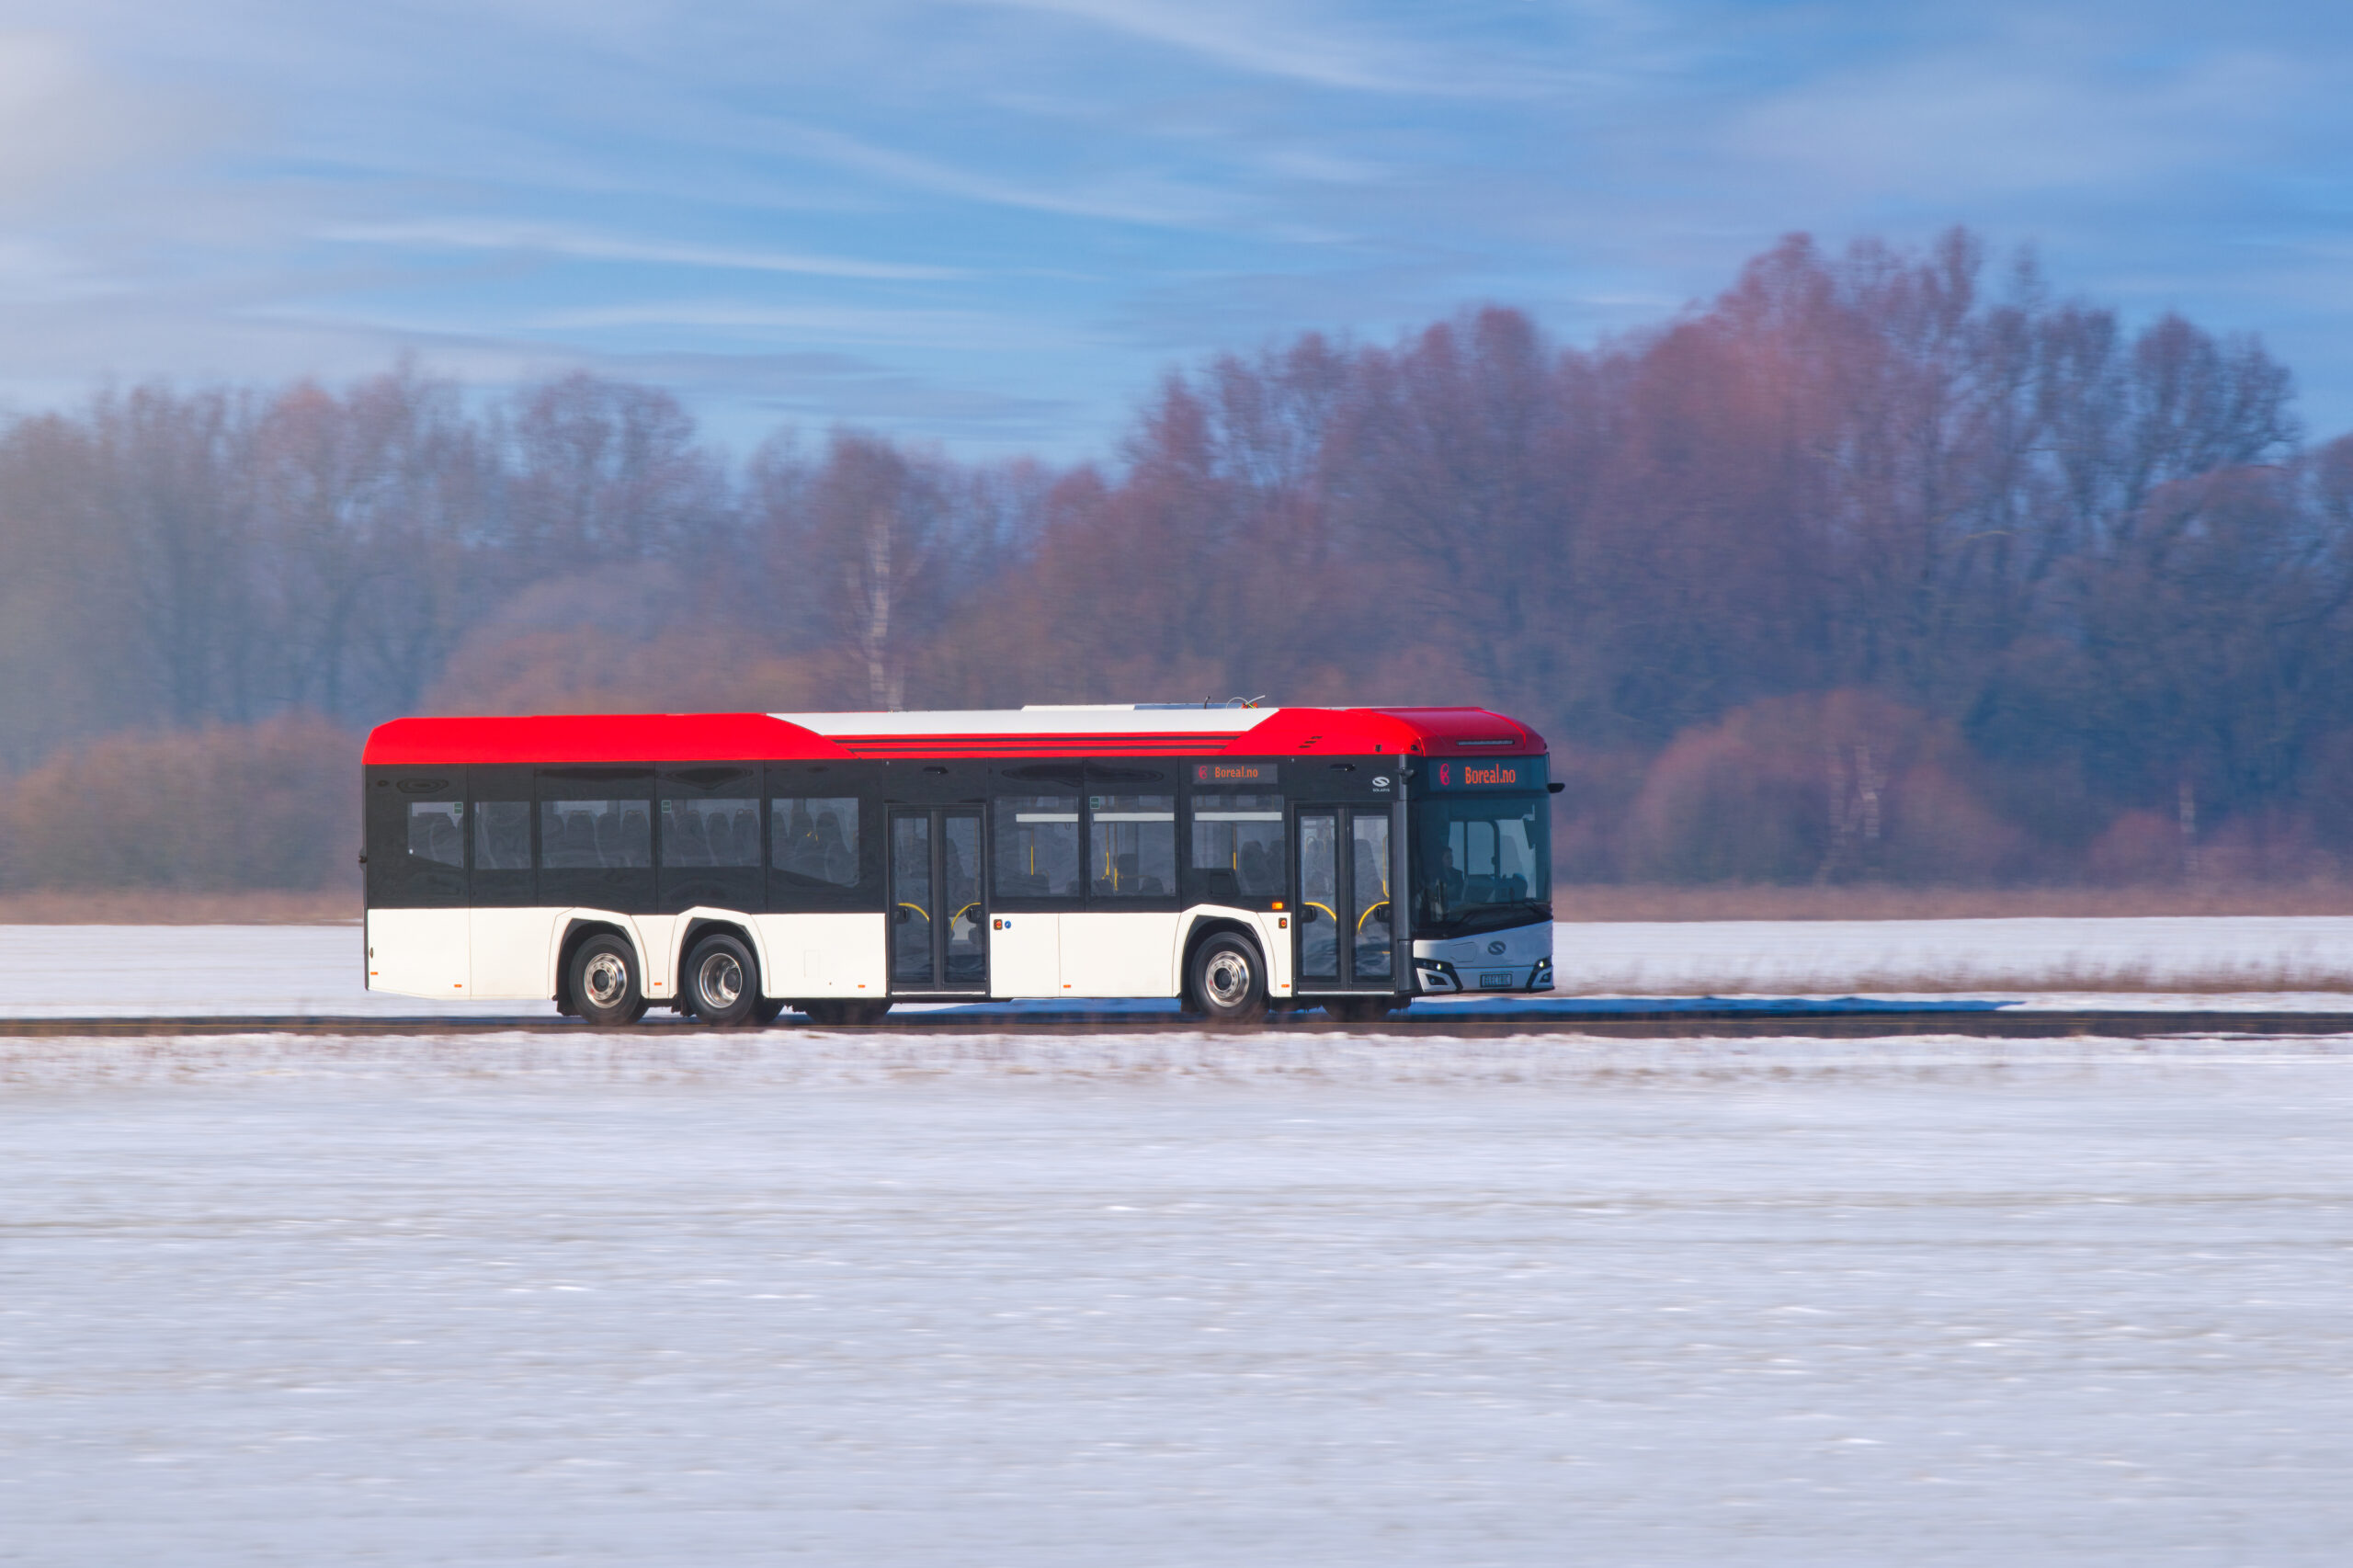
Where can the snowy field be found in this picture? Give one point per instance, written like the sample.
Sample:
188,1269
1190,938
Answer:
890,1299
2287,962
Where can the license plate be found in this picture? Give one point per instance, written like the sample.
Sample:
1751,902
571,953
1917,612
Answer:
1492,978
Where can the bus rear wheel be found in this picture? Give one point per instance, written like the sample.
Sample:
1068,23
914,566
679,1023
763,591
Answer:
723,985
604,983
1226,983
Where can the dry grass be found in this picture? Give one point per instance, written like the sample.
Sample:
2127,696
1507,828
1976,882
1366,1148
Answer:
62,908
1594,902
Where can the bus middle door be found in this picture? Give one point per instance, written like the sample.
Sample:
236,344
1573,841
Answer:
937,916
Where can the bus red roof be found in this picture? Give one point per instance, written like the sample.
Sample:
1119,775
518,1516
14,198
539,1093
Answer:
1019,733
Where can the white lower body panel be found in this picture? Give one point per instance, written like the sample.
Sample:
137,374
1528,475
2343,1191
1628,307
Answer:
514,953
822,955
1120,953
1026,955
420,953
511,954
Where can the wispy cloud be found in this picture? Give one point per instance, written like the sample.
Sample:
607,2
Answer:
993,331
1133,199
458,233
2037,107
1043,202
1259,39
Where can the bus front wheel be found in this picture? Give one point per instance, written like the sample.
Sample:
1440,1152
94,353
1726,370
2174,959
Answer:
604,983
1228,981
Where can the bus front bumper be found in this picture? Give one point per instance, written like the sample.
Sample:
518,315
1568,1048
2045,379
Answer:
1439,976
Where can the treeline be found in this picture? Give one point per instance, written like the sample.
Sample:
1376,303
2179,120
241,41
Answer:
1872,568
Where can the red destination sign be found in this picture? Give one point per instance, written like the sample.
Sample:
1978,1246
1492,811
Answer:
1234,773
1519,773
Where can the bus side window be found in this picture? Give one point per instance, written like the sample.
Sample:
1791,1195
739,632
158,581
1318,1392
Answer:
722,832
437,831
592,835
814,840
416,841
1132,844
1037,847
502,836
1242,835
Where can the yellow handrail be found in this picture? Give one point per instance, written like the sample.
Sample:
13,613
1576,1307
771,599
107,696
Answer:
1368,914
1329,911
918,908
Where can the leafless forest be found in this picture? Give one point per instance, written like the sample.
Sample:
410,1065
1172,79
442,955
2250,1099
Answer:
1882,567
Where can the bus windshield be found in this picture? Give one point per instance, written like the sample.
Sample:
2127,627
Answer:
1480,862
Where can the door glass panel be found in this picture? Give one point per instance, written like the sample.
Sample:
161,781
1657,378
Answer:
1370,911
1319,897
911,901
959,889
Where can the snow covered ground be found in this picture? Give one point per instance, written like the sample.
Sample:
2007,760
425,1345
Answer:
62,971
1925,956
1147,1300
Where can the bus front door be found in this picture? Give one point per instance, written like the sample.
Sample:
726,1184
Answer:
1345,930
937,919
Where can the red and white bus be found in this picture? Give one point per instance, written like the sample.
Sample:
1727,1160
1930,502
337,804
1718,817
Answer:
734,865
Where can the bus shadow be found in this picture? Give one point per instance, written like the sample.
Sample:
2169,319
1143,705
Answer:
1532,1010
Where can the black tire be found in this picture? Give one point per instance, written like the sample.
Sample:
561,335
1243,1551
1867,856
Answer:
845,1013
720,985
605,988
1226,982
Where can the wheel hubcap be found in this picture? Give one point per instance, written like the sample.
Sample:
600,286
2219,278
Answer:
721,980
608,980
1229,979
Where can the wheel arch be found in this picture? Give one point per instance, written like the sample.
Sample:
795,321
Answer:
1203,927
703,926
578,930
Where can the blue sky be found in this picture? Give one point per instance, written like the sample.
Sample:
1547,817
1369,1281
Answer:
995,223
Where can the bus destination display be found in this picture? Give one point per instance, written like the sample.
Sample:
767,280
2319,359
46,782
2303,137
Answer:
1482,773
